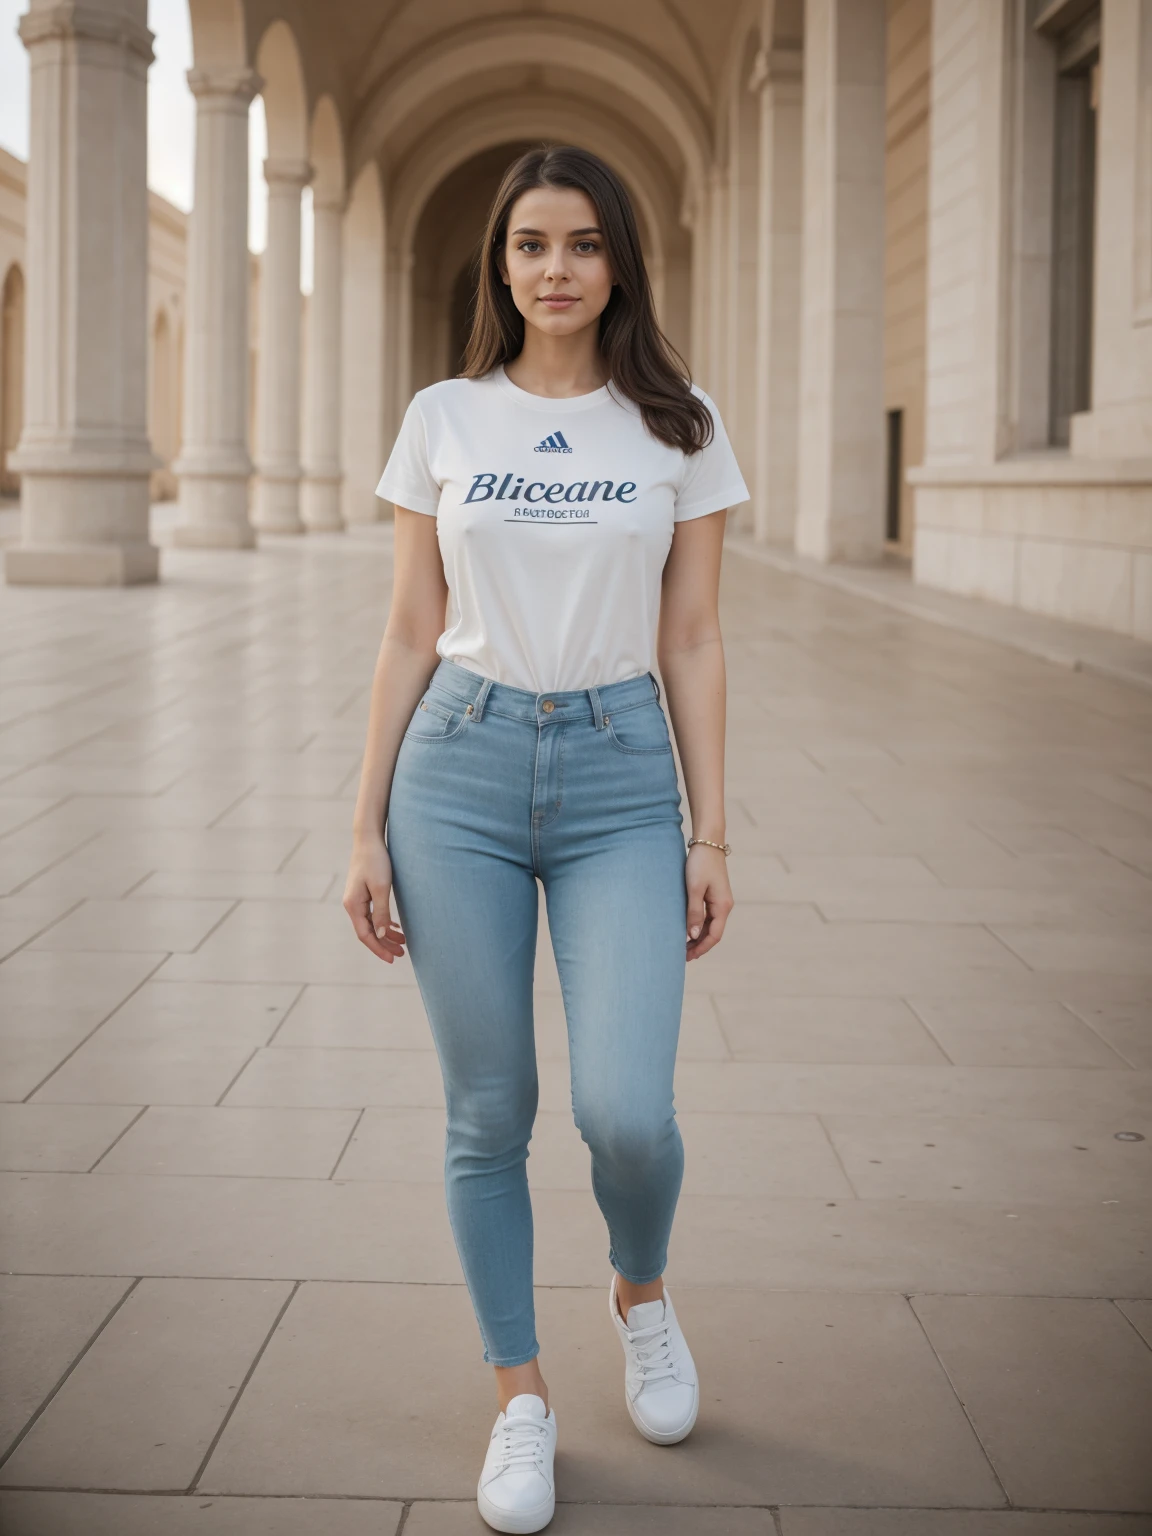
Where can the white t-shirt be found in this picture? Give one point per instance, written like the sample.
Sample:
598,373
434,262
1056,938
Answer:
554,519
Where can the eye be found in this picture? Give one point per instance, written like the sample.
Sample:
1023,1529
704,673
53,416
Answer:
529,246
587,247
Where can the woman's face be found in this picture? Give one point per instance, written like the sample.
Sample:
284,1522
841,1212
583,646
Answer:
554,260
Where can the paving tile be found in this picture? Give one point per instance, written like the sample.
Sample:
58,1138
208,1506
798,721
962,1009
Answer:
45,1322
339,1079
977,1032
64,1138
23,917
1139,1314
771,1428
49,1003
118,1423
1126,1026
109,1514
287,941
1026,1093
171,1043
249,1228
1059,1391
928,1158
238,1143
1071,949
443,1518
825,1029
230,885
371,1018
937,1522
160,924
897,1430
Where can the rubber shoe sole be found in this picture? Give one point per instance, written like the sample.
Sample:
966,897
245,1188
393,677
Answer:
671,1437
519,1523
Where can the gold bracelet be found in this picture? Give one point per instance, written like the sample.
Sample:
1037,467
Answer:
725,848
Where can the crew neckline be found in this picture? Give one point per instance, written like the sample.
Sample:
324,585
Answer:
565,404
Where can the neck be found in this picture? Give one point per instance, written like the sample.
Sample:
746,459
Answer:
559,366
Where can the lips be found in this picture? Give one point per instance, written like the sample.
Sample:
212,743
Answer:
559,303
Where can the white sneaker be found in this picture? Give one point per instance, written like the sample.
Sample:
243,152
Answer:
517,1488
661,1391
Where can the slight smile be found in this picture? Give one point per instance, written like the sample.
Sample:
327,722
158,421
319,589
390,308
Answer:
559,301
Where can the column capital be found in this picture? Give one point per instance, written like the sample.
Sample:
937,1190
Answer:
73,19
241,85
773,65
293,174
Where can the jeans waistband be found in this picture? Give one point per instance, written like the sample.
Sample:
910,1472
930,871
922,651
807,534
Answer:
521,704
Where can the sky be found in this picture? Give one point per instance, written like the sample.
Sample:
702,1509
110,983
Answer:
171,118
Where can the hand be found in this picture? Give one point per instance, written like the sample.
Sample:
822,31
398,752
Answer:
709,898
366,900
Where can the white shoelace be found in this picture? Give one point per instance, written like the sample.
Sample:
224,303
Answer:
521,1444
653,1351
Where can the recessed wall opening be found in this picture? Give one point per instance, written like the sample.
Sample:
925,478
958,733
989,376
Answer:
1073,215
895,479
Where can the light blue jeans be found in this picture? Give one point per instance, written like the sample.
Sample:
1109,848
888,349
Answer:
496,788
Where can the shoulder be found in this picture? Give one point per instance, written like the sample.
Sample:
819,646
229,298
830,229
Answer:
451,394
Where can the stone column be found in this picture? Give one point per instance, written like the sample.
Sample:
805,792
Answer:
214,465
84,456
778,78
277,505
320,496
840,514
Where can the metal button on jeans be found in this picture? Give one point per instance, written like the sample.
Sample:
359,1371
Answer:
548,706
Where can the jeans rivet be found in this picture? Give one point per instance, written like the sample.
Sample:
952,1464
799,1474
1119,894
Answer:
468,711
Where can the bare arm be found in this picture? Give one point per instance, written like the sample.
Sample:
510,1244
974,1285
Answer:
406,661
690,651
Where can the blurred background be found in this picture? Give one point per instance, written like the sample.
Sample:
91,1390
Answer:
906,246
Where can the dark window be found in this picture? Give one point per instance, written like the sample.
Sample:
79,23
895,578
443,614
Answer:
1075,31
895,474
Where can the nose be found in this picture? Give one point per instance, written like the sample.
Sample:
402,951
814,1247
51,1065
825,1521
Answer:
557,269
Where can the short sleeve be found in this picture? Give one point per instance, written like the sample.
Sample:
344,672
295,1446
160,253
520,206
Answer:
407,480
712,478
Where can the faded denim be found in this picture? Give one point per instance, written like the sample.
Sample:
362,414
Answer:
493,793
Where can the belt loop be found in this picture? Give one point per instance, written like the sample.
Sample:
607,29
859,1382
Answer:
597,709
480,699
655,685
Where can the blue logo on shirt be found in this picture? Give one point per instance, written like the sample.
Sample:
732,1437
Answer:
554,443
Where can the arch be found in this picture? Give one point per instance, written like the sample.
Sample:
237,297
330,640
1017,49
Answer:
327,153
218,34
279,65
650,181
498,45
11,374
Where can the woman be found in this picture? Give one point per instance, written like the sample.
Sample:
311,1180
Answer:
565,498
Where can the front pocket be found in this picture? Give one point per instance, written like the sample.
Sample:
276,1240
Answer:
642,730
433,721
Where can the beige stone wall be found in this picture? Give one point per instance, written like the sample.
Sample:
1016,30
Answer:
12,178
167,238
906,230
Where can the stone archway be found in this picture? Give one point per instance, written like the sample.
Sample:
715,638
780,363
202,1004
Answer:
11,376
444,248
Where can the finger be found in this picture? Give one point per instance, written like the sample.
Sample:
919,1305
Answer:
367,936
697,914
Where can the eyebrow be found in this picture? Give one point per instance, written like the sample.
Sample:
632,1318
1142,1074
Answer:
591,230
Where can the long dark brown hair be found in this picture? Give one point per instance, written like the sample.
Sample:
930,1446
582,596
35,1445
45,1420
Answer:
643,365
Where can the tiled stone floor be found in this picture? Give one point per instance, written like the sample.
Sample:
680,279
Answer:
913,1251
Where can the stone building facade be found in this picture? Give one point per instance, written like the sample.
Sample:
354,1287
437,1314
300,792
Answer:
905,244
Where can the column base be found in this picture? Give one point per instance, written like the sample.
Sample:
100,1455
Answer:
81,565
213,536
213,510
277,506
320,506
